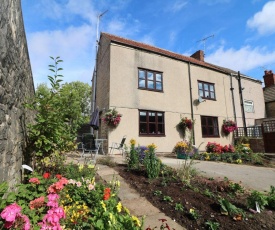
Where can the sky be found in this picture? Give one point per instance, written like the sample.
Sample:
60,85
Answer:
239,35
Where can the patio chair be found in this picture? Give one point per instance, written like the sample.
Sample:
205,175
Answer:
118,146
89,147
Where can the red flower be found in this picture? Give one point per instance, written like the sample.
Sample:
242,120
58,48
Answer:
46,175
58,176
107,193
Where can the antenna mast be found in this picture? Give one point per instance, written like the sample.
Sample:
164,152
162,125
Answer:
204,41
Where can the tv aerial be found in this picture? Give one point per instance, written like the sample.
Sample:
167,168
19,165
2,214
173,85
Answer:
204,41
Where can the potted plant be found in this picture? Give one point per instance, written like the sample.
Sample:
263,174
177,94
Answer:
228,126
112,118
183,150
185,123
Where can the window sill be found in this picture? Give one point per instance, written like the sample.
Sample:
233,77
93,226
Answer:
151,135
211,136
154,90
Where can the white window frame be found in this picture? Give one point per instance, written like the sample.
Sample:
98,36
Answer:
247,104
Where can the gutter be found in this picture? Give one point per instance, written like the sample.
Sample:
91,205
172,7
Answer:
233,100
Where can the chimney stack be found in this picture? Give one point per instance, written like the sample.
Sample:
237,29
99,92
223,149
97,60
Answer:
269,78
199,55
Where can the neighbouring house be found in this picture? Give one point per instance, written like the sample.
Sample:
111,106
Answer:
153,88
269,93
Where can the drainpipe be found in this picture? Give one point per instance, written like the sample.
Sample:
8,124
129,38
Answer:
191,101
241,100
233,100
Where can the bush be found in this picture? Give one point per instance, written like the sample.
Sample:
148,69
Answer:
258,197
151,162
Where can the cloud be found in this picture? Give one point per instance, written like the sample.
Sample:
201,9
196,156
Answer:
177,6
263,20
244,59
75,45
214,2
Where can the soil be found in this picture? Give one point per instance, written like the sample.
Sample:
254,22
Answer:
202,195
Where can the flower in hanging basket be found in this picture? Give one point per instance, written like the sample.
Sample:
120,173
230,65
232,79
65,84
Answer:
185,123
112,118
228,126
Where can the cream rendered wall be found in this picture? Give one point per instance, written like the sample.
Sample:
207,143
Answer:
174,101
221,107
127,98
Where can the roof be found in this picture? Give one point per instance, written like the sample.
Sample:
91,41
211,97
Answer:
163,52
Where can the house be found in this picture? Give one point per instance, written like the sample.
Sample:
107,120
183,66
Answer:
269,93
153,88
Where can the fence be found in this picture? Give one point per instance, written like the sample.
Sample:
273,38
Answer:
255,131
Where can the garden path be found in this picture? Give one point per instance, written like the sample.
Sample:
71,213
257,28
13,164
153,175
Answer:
129,197
252,177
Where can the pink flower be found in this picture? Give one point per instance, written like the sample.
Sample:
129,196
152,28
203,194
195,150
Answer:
37,203
9,213
34,180
52,200
78,184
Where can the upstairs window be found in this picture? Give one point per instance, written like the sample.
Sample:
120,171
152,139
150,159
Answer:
151,123
209,126
207,90
150,80
248,106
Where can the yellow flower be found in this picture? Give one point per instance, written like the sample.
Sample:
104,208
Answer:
126,210
91,166
119,207
80,167
112,218
136,221
191,210
133,141
103,205
151,146
239,161
117,183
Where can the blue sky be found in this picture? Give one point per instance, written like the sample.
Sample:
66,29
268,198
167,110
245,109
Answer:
244,31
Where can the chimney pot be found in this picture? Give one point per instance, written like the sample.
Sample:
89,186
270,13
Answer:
199,55
269,78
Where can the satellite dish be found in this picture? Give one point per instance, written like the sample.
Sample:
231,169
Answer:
200,99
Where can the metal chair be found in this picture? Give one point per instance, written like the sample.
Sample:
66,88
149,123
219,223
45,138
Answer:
118,146
89,147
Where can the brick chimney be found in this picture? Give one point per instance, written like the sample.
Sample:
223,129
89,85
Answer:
269,78
199,55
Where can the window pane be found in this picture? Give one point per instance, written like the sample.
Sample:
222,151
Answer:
211,88
151,85
212,95
160,129
158,86
204,131
152,117
210,131
206,94
160,118
203,121
158,77
201,93
205,86
216,131
142,128
152,128
141,74
150,76
142,116
210,121
141,83
200,85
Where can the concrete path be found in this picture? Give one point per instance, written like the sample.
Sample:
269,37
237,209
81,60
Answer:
252,177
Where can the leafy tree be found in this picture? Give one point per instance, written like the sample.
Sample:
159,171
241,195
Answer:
60,110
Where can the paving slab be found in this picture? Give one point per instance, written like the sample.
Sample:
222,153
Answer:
136,204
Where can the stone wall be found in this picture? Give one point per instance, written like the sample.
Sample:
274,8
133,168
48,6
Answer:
16,85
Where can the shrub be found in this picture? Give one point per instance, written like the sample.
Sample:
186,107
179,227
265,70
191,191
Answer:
151,162
258,197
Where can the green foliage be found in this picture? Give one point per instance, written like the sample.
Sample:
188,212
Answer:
271,197
157,193
194,214
208,193
132,158
106,160
235,187
152,163
211,225
229,209
258,197
59,110
186,171
179,207
167,198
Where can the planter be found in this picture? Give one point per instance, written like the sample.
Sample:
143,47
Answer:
183,155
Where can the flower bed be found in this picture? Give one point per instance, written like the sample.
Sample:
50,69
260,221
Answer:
55,202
